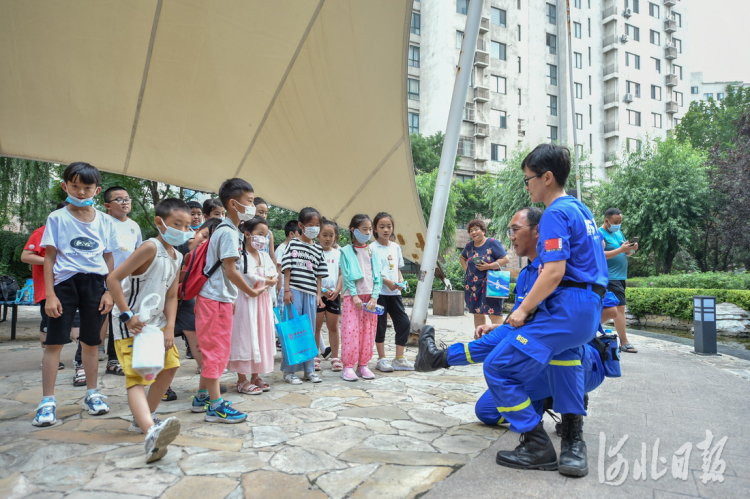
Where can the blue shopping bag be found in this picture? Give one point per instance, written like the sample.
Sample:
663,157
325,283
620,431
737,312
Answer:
498,284
297,337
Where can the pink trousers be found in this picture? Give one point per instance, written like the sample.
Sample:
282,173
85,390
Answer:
358,328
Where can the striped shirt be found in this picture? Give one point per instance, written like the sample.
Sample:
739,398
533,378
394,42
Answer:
306,263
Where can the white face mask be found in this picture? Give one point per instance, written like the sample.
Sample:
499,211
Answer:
312,232
175,237
258,242
248,214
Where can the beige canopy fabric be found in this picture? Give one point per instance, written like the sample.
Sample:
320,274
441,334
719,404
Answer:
305,99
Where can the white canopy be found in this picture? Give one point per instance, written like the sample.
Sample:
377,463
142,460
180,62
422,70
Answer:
305,99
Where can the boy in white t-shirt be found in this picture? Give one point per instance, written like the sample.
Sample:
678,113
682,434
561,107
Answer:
78,242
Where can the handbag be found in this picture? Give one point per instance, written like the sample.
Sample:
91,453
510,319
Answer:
297,337
497,284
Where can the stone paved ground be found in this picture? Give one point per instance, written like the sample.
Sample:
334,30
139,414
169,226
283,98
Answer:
397,436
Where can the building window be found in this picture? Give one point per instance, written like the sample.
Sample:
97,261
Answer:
720,96
655,92
497,152
677,121
498,50
634,88
655,37
633,32
632,60
552,133
416,23
678,44
497,16
634,117
589,84
519,64
462,6
678,98
413,56
469,111
466,146
576,29
694,90
653,10
591,115
578,60
589,56
519,96
589,23
552,105
498,118
708,96
577,4
657,64
552,44
462,179
551,14
519,32
633,4
677,70
413,90
677,18
579,91
656,120
552,74
413,122
497,84
579,121
633,145
459,39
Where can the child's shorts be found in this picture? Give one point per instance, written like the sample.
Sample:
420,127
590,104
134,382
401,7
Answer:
124,350
332,306
213,326
185,319
82,293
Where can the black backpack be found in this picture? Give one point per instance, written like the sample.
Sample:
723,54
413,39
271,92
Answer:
8,288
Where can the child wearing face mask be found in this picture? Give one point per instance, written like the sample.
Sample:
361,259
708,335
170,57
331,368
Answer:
362,283
304,267
253,345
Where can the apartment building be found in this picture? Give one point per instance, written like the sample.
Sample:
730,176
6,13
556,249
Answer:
628,76
705,90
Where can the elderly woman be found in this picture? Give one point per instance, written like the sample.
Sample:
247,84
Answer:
479,256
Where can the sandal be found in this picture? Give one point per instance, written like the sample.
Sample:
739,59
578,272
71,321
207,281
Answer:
261,384
627,347
79,378
317,363
336,365
248,388
114,367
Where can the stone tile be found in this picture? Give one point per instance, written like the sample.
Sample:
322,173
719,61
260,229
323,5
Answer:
401,481
461,444
37,458
459,397
376,425
79,437
731,486
339,484
272,418
75,472
16,486
463,412
174,455
413,427
408,458
397,443
326,402
266,436
334,441
295,460
218,462
197,487
363,402
271,484
45,495
387,413
296,400
433,418
420,397
388,396
342,393
305,428
481,429
313,415
145,482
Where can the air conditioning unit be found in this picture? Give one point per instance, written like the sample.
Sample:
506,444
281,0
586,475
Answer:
624,38
628,98
627,12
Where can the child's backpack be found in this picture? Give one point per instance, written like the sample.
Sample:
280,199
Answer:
8,288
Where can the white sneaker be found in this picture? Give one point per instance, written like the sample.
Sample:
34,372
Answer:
292,379
159,437
102,353
384,366
402,365
137,429
313,377
94,404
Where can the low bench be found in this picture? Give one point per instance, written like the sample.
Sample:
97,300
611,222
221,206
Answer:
13,305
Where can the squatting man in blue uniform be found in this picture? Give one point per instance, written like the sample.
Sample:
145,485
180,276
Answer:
559,314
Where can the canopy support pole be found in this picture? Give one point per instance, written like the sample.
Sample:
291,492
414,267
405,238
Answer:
576,155
445,170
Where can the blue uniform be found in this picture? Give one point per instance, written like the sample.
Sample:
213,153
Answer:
567,319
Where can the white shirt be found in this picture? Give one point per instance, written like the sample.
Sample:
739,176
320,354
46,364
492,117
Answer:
128,239
332,258
80,245
280,252
225,242
391,260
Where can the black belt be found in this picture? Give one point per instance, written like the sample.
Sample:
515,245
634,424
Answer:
596,288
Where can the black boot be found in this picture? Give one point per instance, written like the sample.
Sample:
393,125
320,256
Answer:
573,460
430,357
535,452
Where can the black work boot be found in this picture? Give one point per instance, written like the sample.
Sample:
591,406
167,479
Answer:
430,357
535,452
573,460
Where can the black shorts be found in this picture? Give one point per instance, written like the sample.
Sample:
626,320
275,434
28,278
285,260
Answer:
43,322
333,307
81,293
394,306
618,289
185,319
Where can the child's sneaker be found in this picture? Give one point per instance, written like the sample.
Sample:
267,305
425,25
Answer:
137,429
313,377
364,373
94,403
348,374
225,414
199,405
45,414
384,366
102,353
402,365
159,437
292,379
169,396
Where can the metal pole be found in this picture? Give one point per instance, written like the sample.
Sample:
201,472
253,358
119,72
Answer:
573,102
445,171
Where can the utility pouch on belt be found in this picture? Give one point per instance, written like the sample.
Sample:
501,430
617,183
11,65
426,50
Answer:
606,345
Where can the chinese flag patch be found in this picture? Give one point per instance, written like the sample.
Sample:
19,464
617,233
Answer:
553,244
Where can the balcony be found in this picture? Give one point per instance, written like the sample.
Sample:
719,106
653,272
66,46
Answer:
672,107
611,42
610,71
481,94
481,130
670,25
481,59
610,159
611,129
609,14
671,80
480,159
611,100
670,3
670,52
484,25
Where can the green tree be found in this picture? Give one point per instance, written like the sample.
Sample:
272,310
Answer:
662,191
472,200
426,188
712,123
425,152
27,192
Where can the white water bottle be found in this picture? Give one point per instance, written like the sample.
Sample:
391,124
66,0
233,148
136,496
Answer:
148,346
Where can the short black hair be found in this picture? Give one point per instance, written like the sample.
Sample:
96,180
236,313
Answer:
166,206
211,225
291,226
611,212
62,204
259,201
306,214
250,225
533,214
549,158
82,172
209,205
108,193
233,188
194,204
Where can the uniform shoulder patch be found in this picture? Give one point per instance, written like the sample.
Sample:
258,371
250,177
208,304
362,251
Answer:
553,244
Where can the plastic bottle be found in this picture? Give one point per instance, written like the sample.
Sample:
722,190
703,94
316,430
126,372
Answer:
377,309
148,346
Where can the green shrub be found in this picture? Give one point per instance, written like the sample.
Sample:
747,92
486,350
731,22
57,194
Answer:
678,303
705,280
412,280
11,246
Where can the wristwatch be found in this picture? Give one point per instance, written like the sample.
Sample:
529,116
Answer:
126,316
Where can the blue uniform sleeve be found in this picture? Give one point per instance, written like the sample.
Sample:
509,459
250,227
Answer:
519,290
554,237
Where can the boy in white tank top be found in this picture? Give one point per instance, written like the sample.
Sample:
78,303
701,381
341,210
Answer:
151,269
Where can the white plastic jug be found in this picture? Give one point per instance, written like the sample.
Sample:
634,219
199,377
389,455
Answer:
148,347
